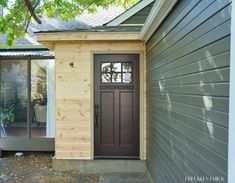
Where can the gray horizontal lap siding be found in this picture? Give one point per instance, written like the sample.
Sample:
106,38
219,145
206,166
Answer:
140,16
188,60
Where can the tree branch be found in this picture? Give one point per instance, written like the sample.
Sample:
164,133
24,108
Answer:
93,3
30,7
27,24
38,2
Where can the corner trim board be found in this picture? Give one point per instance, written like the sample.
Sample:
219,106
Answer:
231,135
160,10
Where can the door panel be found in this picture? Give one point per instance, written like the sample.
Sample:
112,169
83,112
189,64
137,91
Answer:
106,118
116,105
126,118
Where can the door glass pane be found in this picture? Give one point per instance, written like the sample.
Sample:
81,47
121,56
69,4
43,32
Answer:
127,78
105,67
43,98
116,77
127,67
13,98
106,78
116,67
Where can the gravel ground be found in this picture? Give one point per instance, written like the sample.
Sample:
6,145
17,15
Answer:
37,168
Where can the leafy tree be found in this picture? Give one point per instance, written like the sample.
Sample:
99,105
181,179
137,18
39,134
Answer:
22,12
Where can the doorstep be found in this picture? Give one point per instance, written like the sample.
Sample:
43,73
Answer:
100,166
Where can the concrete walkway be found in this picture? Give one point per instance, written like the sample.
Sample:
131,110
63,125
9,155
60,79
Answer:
123,178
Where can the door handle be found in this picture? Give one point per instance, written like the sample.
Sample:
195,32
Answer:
97,113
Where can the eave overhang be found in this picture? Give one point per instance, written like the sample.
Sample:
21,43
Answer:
48,39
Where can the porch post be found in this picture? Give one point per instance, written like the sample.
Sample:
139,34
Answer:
231,138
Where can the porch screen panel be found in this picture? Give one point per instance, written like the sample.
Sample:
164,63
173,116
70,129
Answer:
13,98
188,60
43,98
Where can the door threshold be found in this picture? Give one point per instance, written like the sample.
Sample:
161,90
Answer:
117,157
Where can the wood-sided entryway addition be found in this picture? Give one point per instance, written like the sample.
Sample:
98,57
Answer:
116,105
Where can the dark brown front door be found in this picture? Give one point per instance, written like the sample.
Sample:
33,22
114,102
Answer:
116,109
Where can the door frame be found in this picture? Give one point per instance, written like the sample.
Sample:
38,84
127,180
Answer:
141,98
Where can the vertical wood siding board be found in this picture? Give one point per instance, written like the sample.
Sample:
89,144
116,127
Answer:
140,16
151,165
215,117
171,149
216,75
207,140
214,89
212,63
217,89
219,132
155,173
174,64
216,34
189,150
192,110
218,146
211,37
168,172
203,54
215,48
173,19
182,41
177,172
186,154
218,103
212,76
164,156
212,17
192,14
215,62
136,21
207,153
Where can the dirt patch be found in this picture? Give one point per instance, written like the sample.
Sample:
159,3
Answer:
37,168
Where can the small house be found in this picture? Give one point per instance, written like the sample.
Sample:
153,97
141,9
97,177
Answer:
151,90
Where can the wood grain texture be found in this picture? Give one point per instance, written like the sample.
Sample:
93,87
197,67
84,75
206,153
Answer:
74,95
87,36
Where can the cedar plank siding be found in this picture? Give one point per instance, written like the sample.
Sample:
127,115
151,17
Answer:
140,16
74,98
188,92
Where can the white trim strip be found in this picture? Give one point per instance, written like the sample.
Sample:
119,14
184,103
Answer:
130,12
129,25
231,138
160,10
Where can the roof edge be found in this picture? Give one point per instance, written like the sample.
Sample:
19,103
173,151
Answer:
87,36
128,13
159,12
22,47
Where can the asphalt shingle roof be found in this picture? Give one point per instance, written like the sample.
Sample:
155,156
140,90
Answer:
99,29
32,53
83,22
